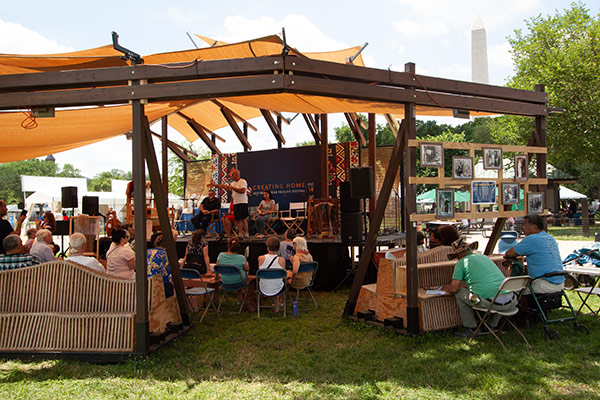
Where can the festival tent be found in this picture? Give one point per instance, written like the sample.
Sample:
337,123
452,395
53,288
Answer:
566,193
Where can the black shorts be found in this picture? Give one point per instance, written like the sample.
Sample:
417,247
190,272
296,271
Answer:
240,211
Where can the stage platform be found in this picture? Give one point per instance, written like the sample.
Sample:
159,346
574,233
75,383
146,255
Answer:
333,255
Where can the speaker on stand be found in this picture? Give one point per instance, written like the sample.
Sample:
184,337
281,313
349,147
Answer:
362,187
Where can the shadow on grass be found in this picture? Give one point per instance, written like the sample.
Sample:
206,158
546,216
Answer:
320,355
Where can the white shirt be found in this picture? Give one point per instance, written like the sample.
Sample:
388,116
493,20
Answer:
271,286
239,198
89,262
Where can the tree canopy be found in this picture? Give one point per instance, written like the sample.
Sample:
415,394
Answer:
102,181
563,52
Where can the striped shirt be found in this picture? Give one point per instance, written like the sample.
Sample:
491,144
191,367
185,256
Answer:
14,261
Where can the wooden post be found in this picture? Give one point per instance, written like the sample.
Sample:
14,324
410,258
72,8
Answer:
410,166
245,135
540,129
165,226
139,224
371,241
324,158
372,161
165,158
279,125
585,217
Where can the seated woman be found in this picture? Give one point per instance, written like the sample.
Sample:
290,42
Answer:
233,256
77,243
271,260
158,264
300,280
120,259
286,248
196,253
48,222
264,211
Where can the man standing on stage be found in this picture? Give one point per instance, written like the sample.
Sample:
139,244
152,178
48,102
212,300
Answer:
238,189
209,206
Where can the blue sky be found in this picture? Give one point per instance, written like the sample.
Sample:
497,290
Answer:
434,34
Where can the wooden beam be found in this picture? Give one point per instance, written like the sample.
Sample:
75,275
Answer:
359,121
205,129
312,127
372,161
165,226
324,158
165,157
173,145
142,343
356,130
235,115
371,241
479,146
196,127
273,126
392,123
236,129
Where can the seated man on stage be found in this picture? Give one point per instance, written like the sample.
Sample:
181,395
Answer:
542,255
475,281
209,206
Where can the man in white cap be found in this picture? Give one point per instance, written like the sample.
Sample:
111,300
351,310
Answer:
475,281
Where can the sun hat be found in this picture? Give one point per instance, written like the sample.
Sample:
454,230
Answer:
460,245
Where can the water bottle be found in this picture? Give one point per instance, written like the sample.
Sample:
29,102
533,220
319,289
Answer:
295,308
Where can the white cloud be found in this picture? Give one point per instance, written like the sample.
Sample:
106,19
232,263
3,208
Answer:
500,56
419,28
16,39
179,16
456,71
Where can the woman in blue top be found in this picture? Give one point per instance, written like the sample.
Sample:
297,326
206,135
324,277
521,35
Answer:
158,264
233,256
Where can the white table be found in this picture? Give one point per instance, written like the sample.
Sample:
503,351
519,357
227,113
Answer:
590,271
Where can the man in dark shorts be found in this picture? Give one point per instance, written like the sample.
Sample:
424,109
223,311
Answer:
5,227
209,206
238,189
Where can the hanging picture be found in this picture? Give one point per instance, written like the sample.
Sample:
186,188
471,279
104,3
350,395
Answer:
492,158
462,167
510,193
535,203
432,155
483,192
521,168
444,203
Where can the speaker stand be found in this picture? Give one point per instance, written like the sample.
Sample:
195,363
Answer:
353,266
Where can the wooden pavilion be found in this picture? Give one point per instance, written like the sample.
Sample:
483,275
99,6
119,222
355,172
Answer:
239,81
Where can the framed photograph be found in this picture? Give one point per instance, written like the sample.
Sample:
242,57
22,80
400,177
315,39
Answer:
432,155
521,168
444,203
535,203
492,158
462,167
510,193
483,192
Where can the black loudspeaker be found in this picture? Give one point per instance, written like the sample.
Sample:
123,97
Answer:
90,205
69,197
352,227
62,228
347,203
361,183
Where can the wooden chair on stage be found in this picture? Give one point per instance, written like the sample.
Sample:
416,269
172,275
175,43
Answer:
323,217
90,227
294,217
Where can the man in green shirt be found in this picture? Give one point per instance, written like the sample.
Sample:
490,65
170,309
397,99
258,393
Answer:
475,281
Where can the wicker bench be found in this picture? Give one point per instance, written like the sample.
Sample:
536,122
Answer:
65,307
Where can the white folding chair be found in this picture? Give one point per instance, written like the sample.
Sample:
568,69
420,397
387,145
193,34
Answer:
515,284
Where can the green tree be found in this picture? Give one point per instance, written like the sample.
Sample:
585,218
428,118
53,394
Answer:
102,182
563,52
10,176
69,171
383,133
306,143
176,169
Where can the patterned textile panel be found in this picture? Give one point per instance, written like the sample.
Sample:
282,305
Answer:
342,157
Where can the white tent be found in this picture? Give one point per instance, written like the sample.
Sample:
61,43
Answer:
566,193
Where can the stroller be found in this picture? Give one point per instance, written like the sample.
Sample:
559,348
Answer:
538,306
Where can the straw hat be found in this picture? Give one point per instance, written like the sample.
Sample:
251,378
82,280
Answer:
460,245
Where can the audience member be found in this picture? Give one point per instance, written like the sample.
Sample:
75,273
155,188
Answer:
158,264
210,206
448,234
5,227
196,253
77,243
30,238
271,260
300,280
421,242
42,247
265,209
120,259
16,256
233,256
286,248
482,279
48,222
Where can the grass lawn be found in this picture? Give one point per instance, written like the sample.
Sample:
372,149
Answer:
321,356
572,232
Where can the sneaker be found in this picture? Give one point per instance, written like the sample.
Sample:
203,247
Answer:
466,333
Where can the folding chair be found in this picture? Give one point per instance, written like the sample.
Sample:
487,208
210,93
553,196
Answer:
271,274
208,293
294,222
240,284
214,226
272,222
307,267
514,284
